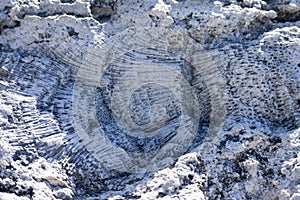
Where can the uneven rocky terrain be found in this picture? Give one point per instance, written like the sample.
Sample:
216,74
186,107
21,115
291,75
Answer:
153,99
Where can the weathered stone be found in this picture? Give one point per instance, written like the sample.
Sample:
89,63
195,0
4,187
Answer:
149,99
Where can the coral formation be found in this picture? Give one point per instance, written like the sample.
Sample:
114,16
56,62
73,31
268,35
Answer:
154,99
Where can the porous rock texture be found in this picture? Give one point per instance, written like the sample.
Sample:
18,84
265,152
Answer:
154,99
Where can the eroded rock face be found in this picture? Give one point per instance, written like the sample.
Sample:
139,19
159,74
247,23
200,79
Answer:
149,100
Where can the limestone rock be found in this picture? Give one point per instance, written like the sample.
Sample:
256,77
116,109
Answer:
154,99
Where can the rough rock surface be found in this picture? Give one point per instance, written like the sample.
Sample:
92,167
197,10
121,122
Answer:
154,99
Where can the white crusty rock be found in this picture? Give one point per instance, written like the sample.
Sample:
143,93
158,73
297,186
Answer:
154,99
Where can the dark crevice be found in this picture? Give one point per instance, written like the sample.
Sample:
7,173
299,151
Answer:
287,17
46,14
67,1
72,32
12,25
101,14
102,11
